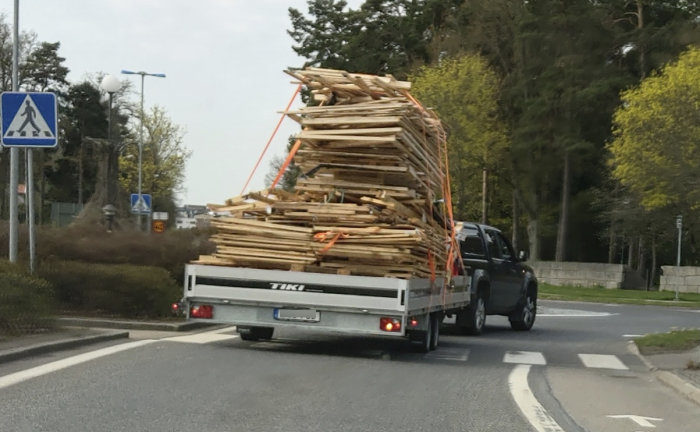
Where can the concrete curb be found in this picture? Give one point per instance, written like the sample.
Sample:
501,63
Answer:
131,325
47,347
680,385
670,379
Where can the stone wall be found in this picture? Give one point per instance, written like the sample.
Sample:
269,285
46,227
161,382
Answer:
579,273
686,279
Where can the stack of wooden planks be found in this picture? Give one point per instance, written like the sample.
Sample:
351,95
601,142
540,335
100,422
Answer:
373,170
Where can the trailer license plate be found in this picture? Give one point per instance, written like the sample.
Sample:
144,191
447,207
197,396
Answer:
310,315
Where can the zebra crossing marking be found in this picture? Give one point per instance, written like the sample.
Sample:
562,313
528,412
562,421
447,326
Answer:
602,361
205,337
453,354
525,357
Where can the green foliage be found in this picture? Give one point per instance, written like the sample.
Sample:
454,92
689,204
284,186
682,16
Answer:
163,161
655,151
123,290
673,341
43,69
26,302
464,91
604,295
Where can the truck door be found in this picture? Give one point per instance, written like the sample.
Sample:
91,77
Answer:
497,273
511,272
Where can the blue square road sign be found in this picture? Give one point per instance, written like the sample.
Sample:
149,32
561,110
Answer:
142,205
29,119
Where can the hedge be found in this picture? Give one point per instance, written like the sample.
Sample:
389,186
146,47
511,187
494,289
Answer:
26,302
123,290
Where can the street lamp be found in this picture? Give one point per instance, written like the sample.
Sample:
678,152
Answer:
110,84
679,225
143,75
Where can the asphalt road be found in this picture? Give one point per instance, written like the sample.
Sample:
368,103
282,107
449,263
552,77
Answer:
575,364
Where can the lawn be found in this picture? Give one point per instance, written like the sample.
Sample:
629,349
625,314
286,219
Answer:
676,340
603,295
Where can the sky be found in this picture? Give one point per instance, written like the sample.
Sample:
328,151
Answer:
223,60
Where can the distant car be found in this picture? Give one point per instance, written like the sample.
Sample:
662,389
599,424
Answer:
502,284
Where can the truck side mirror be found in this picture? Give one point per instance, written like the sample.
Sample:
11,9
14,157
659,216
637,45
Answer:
522,255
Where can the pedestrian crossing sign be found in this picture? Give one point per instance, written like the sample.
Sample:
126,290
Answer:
140,204
29,119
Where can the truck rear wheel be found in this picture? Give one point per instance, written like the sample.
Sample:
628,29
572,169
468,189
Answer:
472,319
255,333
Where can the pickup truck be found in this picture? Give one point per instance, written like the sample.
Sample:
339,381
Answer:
501,283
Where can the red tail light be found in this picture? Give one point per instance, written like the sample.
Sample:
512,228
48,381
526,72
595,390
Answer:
202,311
389,324
414,322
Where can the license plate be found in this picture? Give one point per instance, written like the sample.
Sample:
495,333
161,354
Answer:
309,315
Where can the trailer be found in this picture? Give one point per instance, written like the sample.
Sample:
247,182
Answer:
258,301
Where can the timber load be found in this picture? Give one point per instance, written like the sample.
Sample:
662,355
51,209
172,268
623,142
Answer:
373,195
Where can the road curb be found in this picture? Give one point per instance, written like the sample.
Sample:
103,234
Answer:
632,347
63,344
680,385
131,325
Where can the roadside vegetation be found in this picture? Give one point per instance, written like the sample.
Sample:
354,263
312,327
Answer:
604,295
673,341
26,301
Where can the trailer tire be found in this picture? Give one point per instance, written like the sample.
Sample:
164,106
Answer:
425,337
255,333
435,330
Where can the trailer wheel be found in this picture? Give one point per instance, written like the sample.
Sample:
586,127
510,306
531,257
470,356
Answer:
425,337
435,330
255,333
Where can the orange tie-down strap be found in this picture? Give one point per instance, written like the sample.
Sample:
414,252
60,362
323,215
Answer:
324,236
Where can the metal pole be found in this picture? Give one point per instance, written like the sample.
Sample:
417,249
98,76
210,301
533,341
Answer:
14,162
30,208
679,225
140,227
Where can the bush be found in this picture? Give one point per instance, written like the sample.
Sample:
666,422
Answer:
26,302
123,290
170,250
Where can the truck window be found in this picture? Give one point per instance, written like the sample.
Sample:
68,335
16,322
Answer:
492,245
472,246
504,246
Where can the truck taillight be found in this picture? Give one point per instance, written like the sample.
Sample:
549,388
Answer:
414,322
389,324
202,311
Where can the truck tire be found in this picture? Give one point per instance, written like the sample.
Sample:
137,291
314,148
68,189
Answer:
523,318
472,319
435,330
255,333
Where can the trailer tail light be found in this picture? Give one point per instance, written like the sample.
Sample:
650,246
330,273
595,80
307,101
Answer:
413,322
389,324
202,311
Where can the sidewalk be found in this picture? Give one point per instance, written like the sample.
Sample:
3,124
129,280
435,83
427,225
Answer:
672,370
77,332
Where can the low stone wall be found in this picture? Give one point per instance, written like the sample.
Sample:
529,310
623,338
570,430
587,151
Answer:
579,273
686,279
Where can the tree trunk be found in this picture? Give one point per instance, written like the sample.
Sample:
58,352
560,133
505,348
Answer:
80,173
484,190
560,254
516,223
630,254
533,234
652,279
640,27
611,245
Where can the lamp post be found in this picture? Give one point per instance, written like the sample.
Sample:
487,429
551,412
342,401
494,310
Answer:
110,84
679,225
143,75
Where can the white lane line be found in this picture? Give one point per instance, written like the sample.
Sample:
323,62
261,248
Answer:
602,361
453,354
544,311
630,336
18,377
524,357
533,411
205,337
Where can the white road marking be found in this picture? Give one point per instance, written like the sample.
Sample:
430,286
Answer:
630,336
18,377
454,354
641,421
524,357
533,411
544,311
601,361
204,337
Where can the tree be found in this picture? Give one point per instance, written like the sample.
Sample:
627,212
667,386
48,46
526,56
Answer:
464,91
655,152
163,162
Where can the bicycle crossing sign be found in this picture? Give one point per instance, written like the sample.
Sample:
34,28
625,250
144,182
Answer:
140,204
29,119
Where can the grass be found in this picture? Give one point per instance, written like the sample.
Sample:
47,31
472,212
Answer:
603,295
673,341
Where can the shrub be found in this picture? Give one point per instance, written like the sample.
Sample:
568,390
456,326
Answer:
26,302
170,250
123,290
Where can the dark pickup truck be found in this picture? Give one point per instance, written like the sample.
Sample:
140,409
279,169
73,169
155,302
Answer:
501,283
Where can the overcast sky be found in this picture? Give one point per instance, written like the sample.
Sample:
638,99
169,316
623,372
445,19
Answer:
223,60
